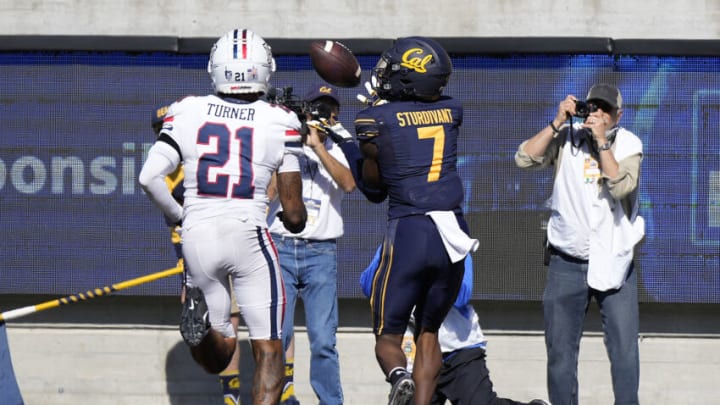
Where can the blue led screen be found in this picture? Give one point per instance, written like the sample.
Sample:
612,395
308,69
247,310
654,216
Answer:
74,131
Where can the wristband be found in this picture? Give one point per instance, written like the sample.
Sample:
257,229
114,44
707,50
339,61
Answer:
552,126
606,146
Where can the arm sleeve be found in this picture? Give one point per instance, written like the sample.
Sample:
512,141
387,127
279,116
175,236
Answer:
628,150
627,179
355,161
366,128
525,161
162,160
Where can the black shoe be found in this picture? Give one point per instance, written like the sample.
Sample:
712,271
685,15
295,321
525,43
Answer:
539,402
402,391
195,321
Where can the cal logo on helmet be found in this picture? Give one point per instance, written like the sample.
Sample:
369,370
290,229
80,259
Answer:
414,59
414,68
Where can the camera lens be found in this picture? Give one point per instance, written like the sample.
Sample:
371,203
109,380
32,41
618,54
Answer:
582,109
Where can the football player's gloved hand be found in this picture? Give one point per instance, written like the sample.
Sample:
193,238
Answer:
372,99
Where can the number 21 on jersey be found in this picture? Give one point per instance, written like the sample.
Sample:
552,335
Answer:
222,172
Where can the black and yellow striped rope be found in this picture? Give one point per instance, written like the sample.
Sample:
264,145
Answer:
94,293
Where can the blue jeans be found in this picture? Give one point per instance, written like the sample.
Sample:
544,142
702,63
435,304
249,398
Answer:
565,303
310,272
9,390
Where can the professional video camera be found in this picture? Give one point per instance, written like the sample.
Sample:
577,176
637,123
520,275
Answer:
285,97
317,111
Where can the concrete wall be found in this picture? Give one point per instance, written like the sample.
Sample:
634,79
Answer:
689,19
119,350
141,365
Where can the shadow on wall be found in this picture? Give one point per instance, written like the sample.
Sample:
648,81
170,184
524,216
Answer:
188,384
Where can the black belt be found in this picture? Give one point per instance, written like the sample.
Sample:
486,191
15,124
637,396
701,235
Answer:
565,256
283,237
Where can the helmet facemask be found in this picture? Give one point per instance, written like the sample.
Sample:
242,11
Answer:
380,79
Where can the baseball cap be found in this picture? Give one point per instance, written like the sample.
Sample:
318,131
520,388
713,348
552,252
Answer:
607,93
317,90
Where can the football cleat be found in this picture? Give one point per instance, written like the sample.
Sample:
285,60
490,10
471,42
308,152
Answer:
288,394
290,401
230,399
195,319
402,391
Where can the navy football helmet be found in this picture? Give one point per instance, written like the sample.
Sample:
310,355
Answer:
413,68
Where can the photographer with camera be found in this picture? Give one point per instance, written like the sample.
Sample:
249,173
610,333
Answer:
309,259
592,232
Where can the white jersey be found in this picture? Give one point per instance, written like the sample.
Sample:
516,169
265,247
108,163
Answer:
230,149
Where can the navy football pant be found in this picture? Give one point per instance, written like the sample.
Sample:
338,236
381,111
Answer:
414,271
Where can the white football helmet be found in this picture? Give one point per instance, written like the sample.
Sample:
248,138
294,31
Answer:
241,62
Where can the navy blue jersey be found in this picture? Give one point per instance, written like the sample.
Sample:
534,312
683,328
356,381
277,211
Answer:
417,153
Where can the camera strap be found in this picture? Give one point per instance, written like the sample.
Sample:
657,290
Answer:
610,134
575,148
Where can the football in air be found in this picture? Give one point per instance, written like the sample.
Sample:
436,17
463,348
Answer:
335,63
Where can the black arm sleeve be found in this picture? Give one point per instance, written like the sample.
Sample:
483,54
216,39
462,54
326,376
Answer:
355,160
